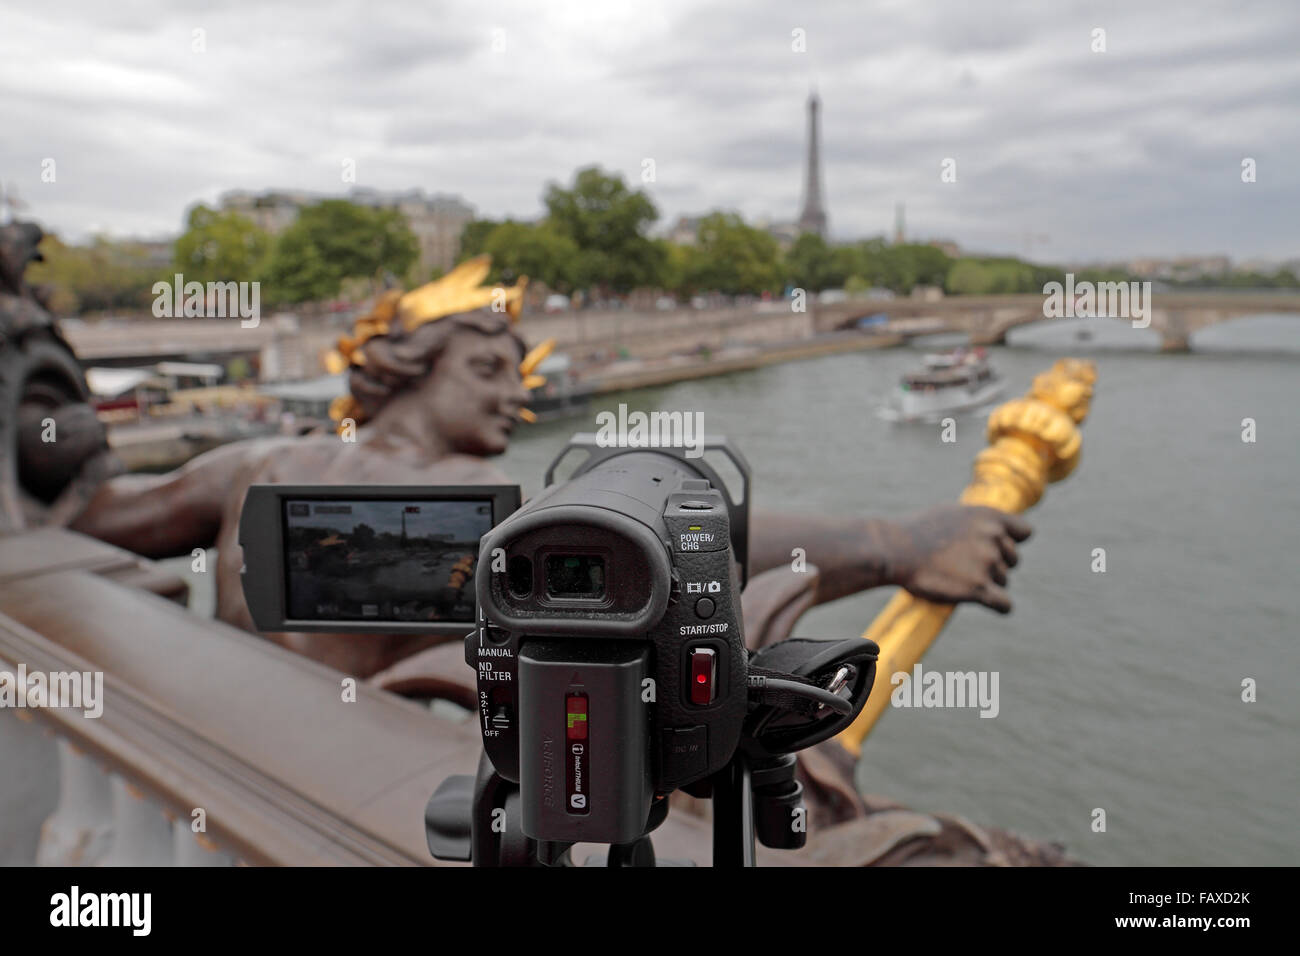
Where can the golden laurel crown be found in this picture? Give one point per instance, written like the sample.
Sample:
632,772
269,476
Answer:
460,290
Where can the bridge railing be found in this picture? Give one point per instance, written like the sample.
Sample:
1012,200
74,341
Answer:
213,746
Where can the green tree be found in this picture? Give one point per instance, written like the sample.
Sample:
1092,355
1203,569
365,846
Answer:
534,250
733,258
995,276
844,264
866,260
813,264
967,277
902,267
1056,274
928,264
608,223
473,238
100,276
809,265
676,267
335,240
221,247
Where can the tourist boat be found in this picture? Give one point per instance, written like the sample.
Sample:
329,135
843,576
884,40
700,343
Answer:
954,381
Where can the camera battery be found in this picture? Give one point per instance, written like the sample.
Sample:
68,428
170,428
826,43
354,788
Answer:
584,771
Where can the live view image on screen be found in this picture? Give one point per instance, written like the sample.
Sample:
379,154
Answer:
383,560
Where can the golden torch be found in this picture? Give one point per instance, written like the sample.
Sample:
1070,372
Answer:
1032,441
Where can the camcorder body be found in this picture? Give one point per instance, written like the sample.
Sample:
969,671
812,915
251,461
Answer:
603,622
611,656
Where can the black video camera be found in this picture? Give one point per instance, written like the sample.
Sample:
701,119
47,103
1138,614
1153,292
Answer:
608,645
611,659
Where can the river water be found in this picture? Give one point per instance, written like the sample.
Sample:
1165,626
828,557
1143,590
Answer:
1119,690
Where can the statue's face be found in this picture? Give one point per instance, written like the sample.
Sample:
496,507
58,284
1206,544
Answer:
475,392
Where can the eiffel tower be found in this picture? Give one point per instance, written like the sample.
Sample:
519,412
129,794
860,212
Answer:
813,217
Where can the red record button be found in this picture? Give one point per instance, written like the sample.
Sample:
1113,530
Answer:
575,710
703,674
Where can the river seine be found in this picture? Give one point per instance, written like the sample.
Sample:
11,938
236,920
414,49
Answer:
1119,690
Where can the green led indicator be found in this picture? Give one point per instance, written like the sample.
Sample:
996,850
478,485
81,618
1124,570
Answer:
573,717
695,527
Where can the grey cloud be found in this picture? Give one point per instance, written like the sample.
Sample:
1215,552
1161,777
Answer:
1130,152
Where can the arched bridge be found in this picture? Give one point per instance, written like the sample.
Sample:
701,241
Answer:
988,318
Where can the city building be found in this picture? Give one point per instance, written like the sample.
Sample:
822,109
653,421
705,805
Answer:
1180,269
685,231
273,211
436,220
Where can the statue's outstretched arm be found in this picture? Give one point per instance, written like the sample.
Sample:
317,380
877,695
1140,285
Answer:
950,553
161,516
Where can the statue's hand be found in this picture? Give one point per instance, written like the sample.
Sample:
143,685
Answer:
956,553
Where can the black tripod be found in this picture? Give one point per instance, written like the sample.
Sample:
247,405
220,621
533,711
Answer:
801,692
479,819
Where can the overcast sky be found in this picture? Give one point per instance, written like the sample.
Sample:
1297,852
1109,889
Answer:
1061,152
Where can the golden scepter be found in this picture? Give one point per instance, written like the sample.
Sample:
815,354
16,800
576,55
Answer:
1032,441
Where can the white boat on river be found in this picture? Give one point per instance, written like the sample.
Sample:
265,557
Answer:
956,381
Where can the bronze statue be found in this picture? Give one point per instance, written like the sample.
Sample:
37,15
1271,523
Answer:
436,391
430,401
437,384
53,450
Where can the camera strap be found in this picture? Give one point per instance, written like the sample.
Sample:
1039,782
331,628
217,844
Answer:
803,691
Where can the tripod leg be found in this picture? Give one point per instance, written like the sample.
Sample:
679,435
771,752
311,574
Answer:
496,830
733,815
637,853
